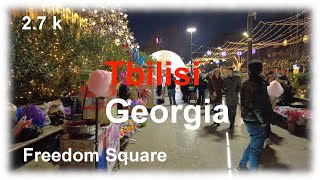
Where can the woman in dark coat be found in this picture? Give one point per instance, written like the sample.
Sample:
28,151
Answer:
215,86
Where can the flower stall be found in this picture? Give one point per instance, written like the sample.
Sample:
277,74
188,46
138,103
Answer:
296,118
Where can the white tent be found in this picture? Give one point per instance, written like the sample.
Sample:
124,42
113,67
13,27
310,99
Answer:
176,61
164,55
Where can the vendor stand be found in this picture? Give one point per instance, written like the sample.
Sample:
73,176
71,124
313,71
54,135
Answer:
293,119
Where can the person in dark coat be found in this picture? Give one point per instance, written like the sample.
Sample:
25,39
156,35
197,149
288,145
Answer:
172,90
215,86
123,93
188,87
159,94
257,113
287,97
183,90
231,89
203,85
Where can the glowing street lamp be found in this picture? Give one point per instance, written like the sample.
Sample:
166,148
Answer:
157,40
191,30
245,34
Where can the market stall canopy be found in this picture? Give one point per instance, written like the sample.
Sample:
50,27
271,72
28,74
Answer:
175,59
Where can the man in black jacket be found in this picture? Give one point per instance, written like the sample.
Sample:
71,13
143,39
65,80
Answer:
231,89
256,111
183,90
203,84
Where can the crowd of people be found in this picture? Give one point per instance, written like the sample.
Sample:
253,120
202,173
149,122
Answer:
257,108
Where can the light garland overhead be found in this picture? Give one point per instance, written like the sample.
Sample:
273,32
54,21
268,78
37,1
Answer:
293,30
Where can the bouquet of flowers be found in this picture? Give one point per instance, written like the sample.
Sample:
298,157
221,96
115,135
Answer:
292,115
133,103
295,116
128,128
141,101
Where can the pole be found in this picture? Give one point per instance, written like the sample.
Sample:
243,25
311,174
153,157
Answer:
191,56
249,40
239,68
97,127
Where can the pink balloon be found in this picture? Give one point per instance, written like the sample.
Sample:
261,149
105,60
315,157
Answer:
99,82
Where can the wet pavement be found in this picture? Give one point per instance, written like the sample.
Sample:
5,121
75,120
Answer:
207,147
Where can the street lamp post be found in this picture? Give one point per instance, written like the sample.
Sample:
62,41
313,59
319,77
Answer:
239,53
191,30
250,17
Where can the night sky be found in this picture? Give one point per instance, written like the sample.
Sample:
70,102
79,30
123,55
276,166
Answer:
210,24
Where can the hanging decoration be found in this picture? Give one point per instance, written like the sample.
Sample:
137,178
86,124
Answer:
285,42
296,68
292,30
305,38
135,54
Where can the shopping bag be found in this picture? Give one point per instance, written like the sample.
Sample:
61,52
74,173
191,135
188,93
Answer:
32,112
23,123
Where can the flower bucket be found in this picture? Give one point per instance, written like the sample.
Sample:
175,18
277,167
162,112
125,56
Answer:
294,128
291,126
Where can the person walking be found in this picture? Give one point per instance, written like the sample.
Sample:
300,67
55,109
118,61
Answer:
172,90
207,92
203,85
231,89
183,90
160,96
215,85
186,94
256,111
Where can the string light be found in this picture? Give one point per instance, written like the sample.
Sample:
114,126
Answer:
288,22
60,59
264,35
